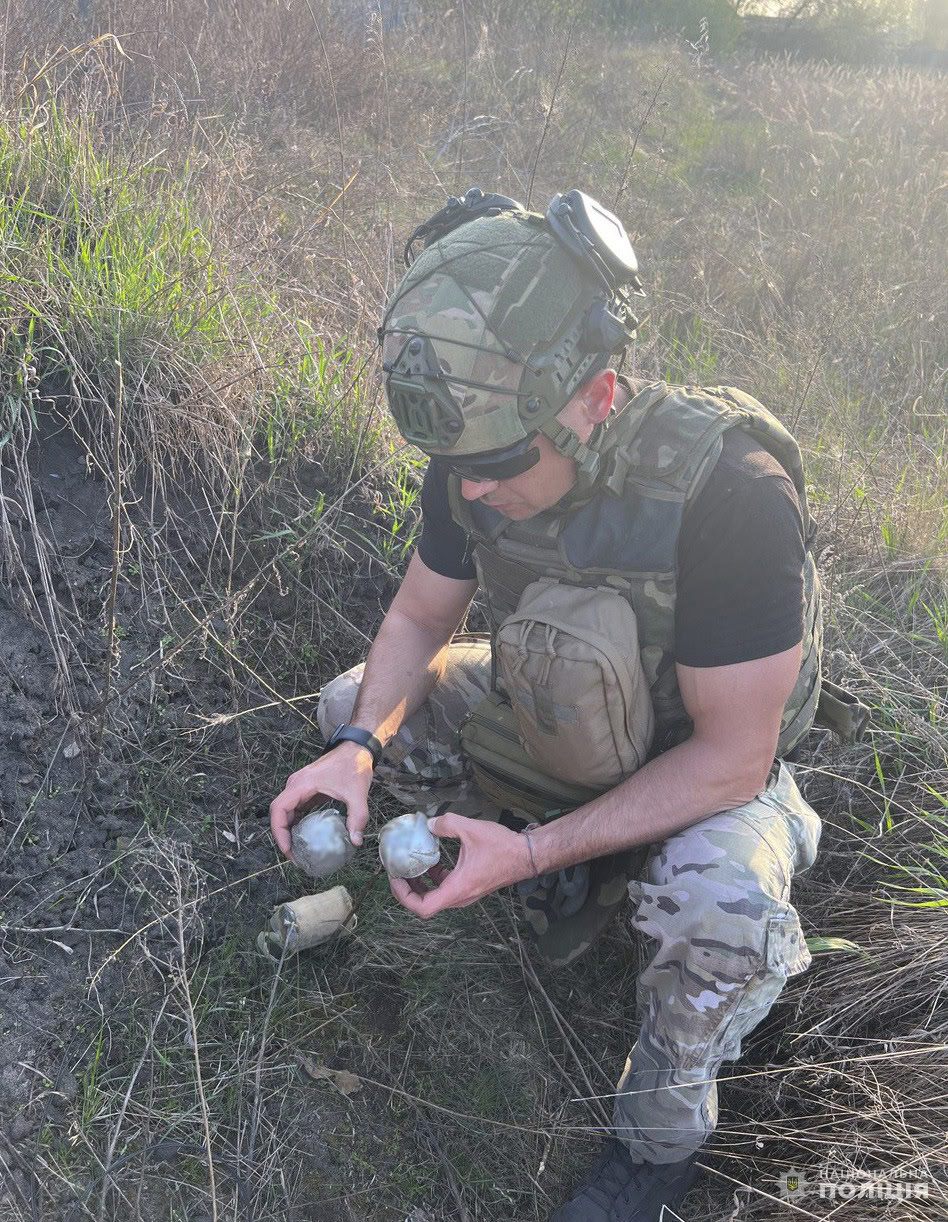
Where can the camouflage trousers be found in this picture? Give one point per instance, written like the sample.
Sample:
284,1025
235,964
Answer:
713,900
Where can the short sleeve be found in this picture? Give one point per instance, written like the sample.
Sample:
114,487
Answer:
443,543
740,582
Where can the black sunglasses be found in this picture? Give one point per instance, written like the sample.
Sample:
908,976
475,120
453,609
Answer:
497,465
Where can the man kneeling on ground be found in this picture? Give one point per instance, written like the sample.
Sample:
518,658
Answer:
654,656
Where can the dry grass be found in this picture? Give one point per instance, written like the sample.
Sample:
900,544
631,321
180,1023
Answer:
256,166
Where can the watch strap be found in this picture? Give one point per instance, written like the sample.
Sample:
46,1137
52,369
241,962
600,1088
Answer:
353,734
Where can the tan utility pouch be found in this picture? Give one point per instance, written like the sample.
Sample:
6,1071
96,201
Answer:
578,715
569,658
490,739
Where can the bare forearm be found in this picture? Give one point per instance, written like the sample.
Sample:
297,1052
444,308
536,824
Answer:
404,664
672,791
676,789
736,711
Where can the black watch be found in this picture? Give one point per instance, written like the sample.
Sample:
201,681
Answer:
352,734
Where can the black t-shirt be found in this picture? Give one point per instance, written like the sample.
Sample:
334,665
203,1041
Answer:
740,557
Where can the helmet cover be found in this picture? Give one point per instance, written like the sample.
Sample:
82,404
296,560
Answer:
482,341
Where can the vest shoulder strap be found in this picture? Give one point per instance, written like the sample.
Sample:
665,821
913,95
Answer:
774,436
667,438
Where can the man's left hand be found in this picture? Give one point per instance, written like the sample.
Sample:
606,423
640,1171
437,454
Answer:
490,857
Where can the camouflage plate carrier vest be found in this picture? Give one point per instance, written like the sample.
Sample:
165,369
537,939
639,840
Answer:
656,455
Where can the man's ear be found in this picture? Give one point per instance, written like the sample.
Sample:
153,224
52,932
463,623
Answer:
597,396
590,405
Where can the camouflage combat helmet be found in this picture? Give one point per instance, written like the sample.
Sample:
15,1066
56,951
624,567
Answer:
500,319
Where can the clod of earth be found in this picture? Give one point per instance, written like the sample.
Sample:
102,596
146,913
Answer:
306,922
320,842
407,847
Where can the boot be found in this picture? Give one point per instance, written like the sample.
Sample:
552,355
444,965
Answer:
621,1190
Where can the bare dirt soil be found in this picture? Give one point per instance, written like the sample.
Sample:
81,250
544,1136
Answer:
96,845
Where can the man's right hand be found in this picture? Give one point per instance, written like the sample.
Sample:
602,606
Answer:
345,773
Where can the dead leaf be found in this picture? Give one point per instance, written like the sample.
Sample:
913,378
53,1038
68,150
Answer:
346,1083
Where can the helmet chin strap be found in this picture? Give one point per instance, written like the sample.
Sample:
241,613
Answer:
584,454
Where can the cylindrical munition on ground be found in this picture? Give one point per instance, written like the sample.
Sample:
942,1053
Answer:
407,847
320,842
306,922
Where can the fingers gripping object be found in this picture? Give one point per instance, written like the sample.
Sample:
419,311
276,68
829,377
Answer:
407,846
320,842
321,845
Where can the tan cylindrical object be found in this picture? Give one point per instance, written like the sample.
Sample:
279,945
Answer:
306,922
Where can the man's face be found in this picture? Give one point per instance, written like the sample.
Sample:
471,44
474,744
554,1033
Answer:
553,475
528,494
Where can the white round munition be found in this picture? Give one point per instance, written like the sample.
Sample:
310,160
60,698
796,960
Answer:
320,842
406,846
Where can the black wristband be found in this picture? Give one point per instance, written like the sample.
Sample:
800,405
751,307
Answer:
352,734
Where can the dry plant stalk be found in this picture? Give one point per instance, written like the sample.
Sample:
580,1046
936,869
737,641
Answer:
549,110
185,987
116,565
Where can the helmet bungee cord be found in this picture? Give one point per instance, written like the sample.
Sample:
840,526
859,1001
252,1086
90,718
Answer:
457,212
